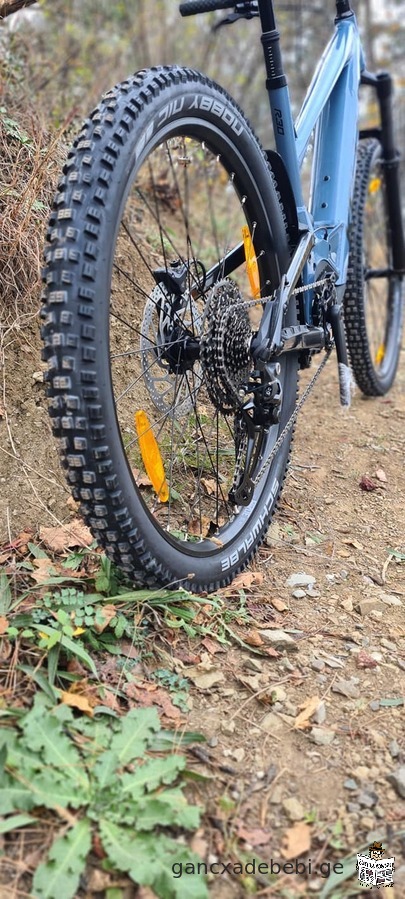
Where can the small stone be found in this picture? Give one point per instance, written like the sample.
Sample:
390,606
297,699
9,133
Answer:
350,784
293,809
367,822
315,884
300,580
369,605
290,708
374,705
376,614
389,599
346,688
318,664
279,640
333,662
367,799
238,754
319,715
228,727
213,742
322,736
38,377
276,795
388,644
347,604
253,665
278,693
397,780
353,808
286,665
298,594
272,723
361,772
394,749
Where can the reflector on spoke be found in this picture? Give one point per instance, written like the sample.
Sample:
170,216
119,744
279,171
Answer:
252,267
379,356
151,456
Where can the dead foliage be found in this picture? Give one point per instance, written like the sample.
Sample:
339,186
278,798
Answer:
30,162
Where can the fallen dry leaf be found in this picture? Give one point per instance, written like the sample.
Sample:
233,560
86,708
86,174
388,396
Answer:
363,660
255,835
44,569
72,504
67,536
270,651
244,581
308,708
206,680
199,526
147,695
141,479
212,645
367,484
253,638
77,701
296,840
210,485
107,612
3,624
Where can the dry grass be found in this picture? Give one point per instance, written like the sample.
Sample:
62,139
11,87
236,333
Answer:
30,162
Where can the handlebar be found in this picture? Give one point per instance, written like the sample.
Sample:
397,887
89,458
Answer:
192,7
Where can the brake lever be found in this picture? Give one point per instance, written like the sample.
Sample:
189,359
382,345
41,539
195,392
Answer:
229,20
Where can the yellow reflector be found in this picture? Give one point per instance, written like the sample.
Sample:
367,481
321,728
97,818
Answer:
374,185
252,267
379,356
151,457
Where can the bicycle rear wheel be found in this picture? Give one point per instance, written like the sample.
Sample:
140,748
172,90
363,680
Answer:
147,332
373,302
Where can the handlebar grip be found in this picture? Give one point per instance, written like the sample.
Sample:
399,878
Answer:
192,7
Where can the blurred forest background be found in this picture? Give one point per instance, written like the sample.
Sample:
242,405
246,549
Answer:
58,56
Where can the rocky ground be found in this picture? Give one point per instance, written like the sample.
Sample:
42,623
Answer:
304,709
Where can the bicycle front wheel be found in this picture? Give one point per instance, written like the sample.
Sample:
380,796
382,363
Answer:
147,331
373,303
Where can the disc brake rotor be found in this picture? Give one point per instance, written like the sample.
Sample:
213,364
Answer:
173,394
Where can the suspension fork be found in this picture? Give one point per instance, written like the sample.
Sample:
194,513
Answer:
383,86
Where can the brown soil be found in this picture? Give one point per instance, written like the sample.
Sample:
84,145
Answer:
327,527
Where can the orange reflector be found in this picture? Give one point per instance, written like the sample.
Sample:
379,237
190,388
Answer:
374,185
252,267
379,356
151,457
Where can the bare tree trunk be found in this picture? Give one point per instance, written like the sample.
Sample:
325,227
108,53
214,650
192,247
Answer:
369,34
9,6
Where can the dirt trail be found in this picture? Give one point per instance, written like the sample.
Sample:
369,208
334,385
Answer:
334,783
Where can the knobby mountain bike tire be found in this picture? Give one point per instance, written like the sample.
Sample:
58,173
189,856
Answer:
373,302
147,335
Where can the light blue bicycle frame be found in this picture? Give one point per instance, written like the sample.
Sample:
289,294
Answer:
330,111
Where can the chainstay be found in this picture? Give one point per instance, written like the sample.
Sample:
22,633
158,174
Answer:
293,417
261,301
